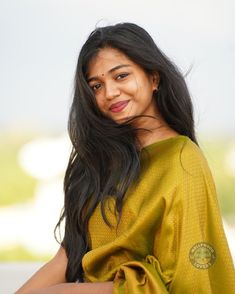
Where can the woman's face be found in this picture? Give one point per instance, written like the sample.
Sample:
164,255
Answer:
121,87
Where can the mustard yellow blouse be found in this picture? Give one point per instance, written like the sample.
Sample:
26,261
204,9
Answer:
170,238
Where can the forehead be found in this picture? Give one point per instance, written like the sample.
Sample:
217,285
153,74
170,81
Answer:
106,59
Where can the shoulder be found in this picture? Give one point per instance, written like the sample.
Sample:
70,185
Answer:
177,158
195,176
192,159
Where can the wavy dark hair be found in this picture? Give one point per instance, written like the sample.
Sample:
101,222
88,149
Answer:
105,159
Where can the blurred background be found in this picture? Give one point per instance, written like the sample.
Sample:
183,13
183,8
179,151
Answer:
40,42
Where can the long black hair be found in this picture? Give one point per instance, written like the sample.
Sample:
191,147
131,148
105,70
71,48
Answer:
105,159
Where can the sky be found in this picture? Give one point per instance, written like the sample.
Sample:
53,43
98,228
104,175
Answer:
40,42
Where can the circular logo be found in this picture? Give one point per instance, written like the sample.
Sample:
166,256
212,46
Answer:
202,255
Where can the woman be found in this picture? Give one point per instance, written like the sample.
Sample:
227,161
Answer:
140,210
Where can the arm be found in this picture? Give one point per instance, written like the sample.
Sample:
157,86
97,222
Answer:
192,247
51,273
77,288
50,279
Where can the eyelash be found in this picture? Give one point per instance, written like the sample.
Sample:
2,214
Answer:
94,87
118,77
122,75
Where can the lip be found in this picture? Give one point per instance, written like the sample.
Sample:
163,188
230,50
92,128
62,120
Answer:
119,106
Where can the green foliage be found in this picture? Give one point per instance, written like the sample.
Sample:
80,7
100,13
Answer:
15,185
216,151
19,253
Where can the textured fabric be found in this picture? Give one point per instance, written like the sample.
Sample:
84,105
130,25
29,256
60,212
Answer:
170,238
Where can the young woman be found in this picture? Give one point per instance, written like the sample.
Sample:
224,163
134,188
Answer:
140,210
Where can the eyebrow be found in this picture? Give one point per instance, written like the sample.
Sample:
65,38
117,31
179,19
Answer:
109,71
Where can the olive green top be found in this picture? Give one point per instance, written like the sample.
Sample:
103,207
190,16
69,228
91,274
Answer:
170,238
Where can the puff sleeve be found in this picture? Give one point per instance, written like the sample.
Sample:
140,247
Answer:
191,246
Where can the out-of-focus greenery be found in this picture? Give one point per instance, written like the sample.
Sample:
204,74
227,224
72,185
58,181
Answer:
19,253
15,185
216,151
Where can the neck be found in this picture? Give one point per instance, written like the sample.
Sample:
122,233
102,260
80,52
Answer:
157,130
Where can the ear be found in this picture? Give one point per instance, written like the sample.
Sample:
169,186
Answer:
155,80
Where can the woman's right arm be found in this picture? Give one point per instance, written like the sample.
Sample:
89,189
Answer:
50,274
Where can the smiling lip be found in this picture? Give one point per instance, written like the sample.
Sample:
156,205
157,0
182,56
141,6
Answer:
119,106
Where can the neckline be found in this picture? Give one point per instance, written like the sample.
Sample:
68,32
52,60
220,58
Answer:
157,143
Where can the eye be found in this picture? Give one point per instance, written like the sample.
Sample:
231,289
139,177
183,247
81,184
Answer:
122,76
95,87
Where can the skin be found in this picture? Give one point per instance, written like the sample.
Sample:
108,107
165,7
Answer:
50,279
113,77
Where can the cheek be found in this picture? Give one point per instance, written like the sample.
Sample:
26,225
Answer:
131,88
145,91
101,103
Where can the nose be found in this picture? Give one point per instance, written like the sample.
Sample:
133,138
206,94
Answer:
112,90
